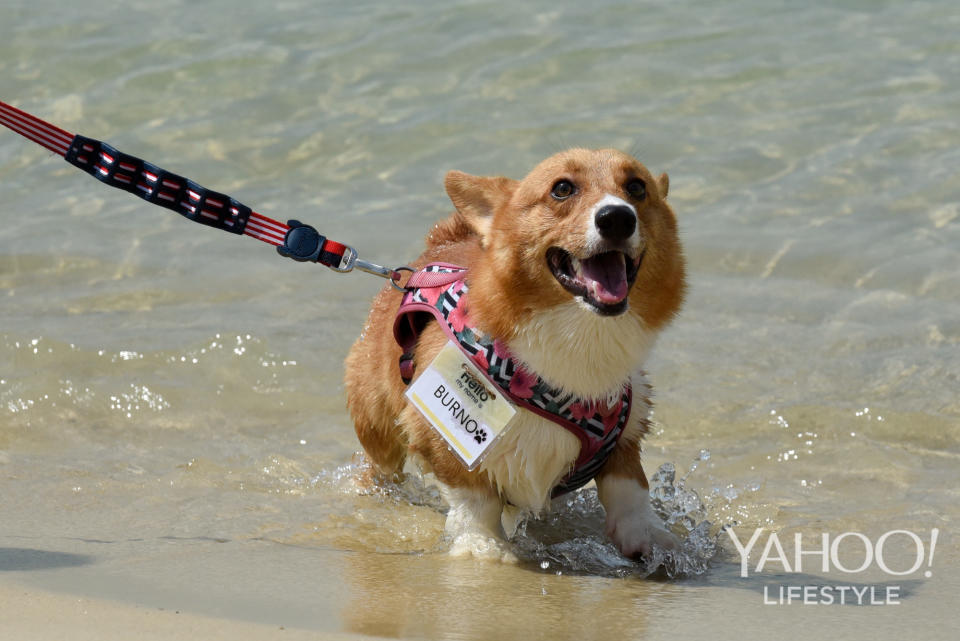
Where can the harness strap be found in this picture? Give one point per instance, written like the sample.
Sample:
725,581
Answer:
179,194
597,429
424,279
407,327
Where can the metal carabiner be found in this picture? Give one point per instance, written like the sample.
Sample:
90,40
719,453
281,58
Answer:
351,261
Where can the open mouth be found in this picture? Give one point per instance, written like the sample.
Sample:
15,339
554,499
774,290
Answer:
602,280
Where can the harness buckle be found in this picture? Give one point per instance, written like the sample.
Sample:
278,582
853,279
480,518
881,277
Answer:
303,243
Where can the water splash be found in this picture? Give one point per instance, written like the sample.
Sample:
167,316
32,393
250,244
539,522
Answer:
685,513
571,538
354,478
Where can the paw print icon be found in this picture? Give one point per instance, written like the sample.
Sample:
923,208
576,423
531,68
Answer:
480,436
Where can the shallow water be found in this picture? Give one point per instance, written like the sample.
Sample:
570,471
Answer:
172,424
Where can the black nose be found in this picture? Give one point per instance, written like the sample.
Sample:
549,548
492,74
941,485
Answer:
615,222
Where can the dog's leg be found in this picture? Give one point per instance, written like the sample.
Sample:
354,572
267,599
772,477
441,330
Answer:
374,397
383,442
384,450
624,491
473,523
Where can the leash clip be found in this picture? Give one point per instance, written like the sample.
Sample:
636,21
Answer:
303,243
351,260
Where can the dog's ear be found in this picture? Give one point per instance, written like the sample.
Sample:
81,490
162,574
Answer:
663,182
477,197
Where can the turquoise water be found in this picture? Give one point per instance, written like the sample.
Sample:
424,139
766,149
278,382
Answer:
172,424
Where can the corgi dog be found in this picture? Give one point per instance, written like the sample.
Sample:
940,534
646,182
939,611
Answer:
572,271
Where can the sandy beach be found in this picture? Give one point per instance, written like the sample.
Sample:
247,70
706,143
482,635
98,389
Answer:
35,615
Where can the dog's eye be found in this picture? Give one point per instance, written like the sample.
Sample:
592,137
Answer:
563,189
637,189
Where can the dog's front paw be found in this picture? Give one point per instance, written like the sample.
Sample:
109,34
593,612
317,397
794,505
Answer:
636,534
473,525
631,522
479,546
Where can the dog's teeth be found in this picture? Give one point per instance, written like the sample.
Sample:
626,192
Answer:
575,265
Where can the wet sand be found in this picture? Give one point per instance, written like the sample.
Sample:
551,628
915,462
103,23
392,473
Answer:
36,615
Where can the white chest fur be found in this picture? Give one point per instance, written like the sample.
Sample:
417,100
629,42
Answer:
529,459
588,355
583,353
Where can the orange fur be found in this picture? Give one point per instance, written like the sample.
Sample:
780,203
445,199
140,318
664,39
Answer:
501,231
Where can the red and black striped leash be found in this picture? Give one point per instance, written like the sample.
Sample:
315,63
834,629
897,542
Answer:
292,239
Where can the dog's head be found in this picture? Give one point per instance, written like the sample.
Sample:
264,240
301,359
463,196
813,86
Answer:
588,225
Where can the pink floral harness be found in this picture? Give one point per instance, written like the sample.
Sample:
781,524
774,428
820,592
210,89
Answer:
438,292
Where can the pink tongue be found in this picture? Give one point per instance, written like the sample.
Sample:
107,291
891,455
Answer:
605,277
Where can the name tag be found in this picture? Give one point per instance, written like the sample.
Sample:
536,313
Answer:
466,409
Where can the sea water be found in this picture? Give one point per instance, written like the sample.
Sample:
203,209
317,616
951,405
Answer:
172,421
